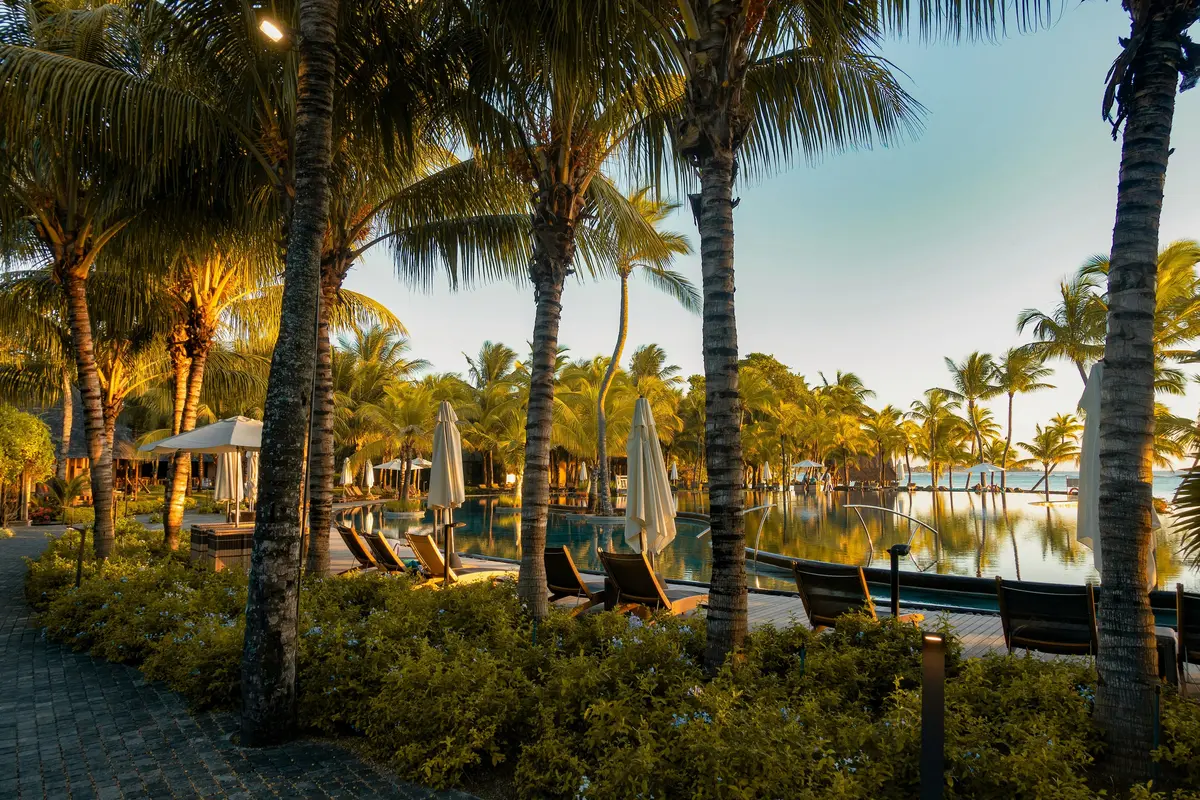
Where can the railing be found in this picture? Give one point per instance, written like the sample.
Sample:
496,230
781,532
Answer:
871,545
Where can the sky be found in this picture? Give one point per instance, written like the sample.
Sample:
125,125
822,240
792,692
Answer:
885,261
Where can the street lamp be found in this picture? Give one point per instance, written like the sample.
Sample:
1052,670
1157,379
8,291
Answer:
270,30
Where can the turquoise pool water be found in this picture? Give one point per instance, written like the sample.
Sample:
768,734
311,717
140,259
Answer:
1014,536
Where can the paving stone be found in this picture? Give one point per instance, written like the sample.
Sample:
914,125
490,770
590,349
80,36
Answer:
77,727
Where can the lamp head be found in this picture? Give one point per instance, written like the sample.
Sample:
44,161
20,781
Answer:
270,30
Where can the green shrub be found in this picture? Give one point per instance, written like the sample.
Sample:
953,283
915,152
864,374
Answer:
403,506
449,685
7,533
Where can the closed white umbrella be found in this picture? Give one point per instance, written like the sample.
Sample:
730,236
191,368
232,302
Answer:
674,471
583,473
649,506
229,482
766,472
1088,524
369,475
347,473
250,475
446,487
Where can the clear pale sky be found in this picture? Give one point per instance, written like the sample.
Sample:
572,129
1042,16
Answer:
883,262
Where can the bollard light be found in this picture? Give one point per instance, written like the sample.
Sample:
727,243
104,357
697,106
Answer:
896,551
270,30
933,715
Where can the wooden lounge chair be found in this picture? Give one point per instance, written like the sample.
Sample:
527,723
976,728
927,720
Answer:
358,548
1187,629
564,580
385,556
351,492
434,565
830,590
639,590
1060,622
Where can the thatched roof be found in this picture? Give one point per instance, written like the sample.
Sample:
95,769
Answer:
53,419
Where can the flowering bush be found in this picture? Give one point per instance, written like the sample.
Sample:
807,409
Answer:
450,686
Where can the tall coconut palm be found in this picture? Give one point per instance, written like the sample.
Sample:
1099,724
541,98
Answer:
1050,449
1019,371
935,415
493,400
814,76
1074,330
655,266
972,383
884,427
553,101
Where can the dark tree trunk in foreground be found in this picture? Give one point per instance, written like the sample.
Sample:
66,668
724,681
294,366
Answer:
603,493
320,452
74,285
269,652
1007,445
714,124
1126,661
68,420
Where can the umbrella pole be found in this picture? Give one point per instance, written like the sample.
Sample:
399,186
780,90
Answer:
449,542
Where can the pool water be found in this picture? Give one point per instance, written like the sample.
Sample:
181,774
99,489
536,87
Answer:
1016,536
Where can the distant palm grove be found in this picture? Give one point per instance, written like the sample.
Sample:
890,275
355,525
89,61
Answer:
185,184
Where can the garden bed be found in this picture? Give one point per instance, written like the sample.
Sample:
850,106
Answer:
457,687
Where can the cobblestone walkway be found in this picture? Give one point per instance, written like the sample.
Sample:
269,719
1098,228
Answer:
72,726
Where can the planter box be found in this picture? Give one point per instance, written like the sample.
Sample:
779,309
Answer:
219,547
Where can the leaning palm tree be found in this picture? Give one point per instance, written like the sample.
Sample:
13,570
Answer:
972,383
1020,370
651,263
1050,449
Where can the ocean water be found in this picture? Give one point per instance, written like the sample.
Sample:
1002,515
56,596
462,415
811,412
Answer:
1165,482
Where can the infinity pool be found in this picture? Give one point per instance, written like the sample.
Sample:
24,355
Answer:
1014,536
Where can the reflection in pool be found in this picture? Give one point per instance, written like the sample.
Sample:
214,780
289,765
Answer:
1014,536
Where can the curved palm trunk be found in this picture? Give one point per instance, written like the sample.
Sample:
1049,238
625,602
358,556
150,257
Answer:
1126,660
180,470
99,458
727,621
68,421
180,369
1007,445
603,495
320,449
269,652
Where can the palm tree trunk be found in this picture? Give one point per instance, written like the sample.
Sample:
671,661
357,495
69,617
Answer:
1082,372
1046,478
535,491
1007,445
320,448
74,286
179,467
68,421
603,496
1126,661
269,652
406,454
181,462
727,621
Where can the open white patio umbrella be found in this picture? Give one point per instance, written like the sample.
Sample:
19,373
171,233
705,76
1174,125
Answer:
446,487
229,482
983,469
1088,523
649,506
369,475
347,473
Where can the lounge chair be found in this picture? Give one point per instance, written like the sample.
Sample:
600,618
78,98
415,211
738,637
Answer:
564,580
434,565
358,548
830,590
1187,628
385,556
351,492
1060,622
639,590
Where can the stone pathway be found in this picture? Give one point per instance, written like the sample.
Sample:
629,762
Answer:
72,726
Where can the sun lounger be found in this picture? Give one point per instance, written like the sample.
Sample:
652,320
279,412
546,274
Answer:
638,589
358,548
1187,629
351,492
385,556
830,590
1061,622
564,580
434,565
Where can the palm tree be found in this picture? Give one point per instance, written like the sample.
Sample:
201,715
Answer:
655,267
1020,370
885,428
269,653
972,383
935,415
814,76
1074,330
1050,448
493,401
